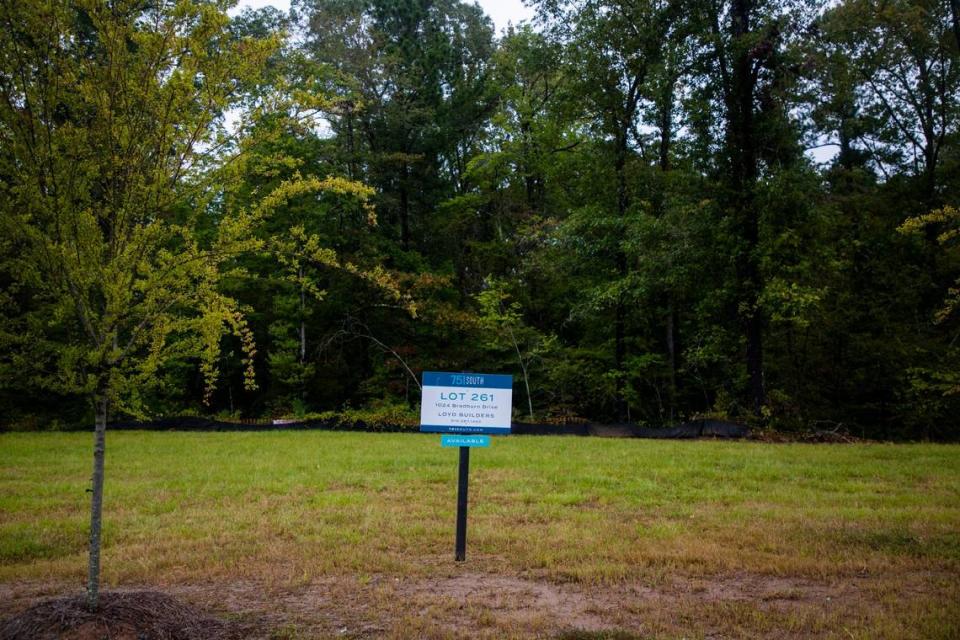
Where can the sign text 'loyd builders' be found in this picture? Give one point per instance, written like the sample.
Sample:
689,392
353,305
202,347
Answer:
466,403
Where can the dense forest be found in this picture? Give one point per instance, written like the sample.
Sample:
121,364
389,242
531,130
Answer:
645,210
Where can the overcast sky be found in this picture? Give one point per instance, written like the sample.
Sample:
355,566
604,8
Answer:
500,11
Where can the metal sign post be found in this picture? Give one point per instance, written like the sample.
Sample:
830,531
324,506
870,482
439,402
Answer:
468,404
464,443
462,486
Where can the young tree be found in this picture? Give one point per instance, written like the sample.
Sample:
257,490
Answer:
504,328
109,129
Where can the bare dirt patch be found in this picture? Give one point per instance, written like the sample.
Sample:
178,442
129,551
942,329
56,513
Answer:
480,605
130,615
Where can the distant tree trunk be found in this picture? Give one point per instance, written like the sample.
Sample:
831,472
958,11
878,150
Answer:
526,378
755,361
366,366
531,177
846,157
622,125
526,383
666,127
351,146
303,326
404,209
302,335
931,139
303,341
672,357
619,322
303,321
665,121
742,143
96,501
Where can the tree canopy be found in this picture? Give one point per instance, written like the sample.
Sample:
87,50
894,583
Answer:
647,211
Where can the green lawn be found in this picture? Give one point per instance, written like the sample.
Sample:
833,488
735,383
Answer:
288,509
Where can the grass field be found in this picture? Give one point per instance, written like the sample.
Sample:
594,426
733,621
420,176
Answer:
321,534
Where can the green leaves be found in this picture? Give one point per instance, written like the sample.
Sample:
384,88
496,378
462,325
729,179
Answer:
621,192
946,220
102,159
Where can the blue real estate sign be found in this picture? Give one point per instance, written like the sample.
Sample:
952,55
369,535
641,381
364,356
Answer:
466,403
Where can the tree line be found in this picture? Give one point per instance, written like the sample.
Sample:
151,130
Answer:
646,210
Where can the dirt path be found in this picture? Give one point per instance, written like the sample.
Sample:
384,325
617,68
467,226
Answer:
495,606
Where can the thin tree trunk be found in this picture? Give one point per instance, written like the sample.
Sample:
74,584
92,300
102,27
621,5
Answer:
303,341
404,210
523,369
96,501
740,106
666,129
672,358
303,323
620,354
755,362
846,131
526,383
352,152
619,322
533,176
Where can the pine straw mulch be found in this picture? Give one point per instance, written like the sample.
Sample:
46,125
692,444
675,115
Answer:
133,615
